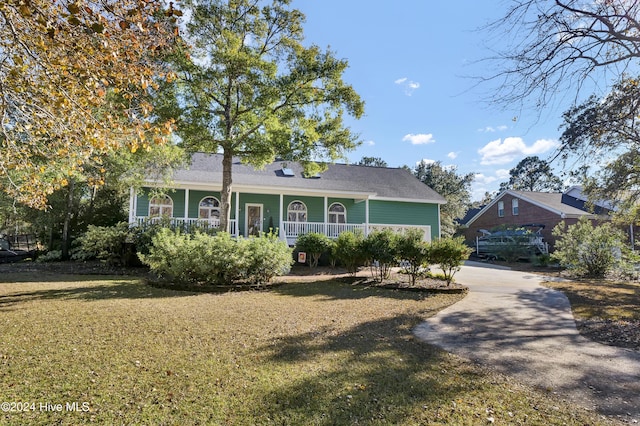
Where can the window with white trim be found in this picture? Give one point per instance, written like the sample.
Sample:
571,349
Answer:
209,208
161,206
337,213
297,212
500,208
514,207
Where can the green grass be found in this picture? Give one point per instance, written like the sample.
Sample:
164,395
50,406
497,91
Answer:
607,299
319,353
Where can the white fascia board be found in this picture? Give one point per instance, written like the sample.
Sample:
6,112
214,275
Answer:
409,200
198,186
292,191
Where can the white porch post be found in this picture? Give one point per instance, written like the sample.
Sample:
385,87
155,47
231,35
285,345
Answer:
282,234
366,217
237,233
132,205
439,223
326,213
186,205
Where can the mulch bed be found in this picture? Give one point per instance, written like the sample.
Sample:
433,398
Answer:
623,334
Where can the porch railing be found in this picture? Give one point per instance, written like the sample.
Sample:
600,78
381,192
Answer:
187,224
291,230
288,231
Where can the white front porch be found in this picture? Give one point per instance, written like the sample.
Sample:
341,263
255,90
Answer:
289,231
183,223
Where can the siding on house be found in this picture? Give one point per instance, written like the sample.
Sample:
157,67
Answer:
394,196
404,213
270,209
177,196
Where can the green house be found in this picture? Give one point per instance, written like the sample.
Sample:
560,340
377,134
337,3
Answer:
281,197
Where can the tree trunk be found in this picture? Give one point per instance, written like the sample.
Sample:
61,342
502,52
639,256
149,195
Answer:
225,193
66,227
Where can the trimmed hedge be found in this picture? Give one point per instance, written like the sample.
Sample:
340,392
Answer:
217,259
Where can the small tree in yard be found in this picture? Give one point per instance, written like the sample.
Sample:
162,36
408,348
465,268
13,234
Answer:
449,253
413,250
381,249
348,250
314,244
588,250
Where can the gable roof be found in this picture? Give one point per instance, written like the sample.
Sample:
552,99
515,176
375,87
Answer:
339,180
550,201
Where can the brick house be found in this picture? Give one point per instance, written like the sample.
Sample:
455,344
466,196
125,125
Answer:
517,208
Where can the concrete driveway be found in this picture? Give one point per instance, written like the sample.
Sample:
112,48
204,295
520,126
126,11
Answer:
513,325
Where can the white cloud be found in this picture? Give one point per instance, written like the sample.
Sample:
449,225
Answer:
481,179
409,85
505,151
502,174
491,129
369,143
419,139
453,155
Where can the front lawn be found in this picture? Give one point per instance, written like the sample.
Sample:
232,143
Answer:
606,311
302,353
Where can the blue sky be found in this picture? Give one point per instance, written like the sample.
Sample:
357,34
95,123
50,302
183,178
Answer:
411,62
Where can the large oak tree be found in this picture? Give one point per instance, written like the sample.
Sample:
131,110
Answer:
249,88
555,47
607,130
73,80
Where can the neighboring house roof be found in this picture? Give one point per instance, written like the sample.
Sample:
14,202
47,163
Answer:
552,202
469,215
339,180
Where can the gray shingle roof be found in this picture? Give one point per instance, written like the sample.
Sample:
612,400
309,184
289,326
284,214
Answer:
377,182
551,200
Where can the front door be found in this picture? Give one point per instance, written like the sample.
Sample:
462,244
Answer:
253,219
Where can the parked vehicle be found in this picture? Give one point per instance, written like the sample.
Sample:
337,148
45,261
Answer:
519,243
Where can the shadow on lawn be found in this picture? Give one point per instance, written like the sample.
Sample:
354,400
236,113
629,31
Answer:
332,289
386,377
87,288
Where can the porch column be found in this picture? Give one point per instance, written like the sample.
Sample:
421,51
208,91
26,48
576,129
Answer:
281,233
326,213
132,205
439,223
237,233
366,217
186,205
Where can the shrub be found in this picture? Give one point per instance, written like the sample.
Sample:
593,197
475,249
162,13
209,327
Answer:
348,250
449,253
106,243
381,249
333,259
217,259
314,244
413,251
266,257
587,250
51,256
